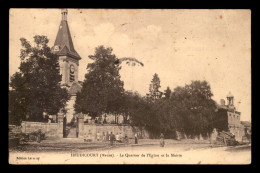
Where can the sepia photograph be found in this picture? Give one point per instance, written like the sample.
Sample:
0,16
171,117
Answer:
129,86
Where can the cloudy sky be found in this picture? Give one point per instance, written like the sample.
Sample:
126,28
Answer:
178,45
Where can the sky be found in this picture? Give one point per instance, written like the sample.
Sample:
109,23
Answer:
178,45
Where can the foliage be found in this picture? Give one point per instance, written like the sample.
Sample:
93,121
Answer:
187,109
221,120
195,106
167,93
154,92
130,61
102,90
155,83
36,87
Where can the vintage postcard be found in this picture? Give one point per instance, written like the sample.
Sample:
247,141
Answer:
129,86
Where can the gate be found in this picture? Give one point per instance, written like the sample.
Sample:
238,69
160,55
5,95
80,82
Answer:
72,128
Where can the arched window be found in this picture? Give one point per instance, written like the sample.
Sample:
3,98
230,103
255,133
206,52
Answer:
72,75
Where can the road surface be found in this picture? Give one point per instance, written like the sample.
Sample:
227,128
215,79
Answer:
149,152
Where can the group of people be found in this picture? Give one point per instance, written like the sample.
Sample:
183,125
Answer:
119,139
112,138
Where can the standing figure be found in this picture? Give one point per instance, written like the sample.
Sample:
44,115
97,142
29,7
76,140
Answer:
104,137
117,137
98,136
111,138
77,130
107,137
120,137
136,139
162,140
89,138
126,139
178,136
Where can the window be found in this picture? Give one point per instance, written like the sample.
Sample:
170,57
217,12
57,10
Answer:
72,70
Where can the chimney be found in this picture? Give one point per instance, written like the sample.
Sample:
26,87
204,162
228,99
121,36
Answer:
222,102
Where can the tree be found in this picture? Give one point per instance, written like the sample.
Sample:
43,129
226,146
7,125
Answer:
17,107
196,107
102,89
189,109
36,87
167,93
154,87
130,61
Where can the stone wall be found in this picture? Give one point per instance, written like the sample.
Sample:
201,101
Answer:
14,129
56,129
95,129
234,125
233,118
50,129
238,131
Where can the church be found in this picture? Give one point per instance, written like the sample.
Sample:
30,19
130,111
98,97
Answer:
69,69
69,63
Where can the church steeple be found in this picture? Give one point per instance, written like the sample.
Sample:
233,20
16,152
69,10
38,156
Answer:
63,44
68,56
64,13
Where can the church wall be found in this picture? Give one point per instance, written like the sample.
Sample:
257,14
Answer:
66,72
70,108
62,68
75,72
65,63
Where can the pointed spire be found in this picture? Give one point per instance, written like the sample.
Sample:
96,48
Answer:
64,13
63,44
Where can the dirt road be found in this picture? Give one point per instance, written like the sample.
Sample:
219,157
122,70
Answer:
146,152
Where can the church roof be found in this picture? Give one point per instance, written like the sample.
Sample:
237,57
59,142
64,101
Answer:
64,41
74,88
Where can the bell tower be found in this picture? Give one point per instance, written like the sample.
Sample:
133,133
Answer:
230,99
69,63
68,56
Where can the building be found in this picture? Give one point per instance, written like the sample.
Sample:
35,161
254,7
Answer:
69,63
229,117
247,130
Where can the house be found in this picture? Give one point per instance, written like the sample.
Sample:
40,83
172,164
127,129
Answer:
228,118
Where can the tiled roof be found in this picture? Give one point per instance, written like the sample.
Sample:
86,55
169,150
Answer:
74,88
221,106
64,41
246,123
225,107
